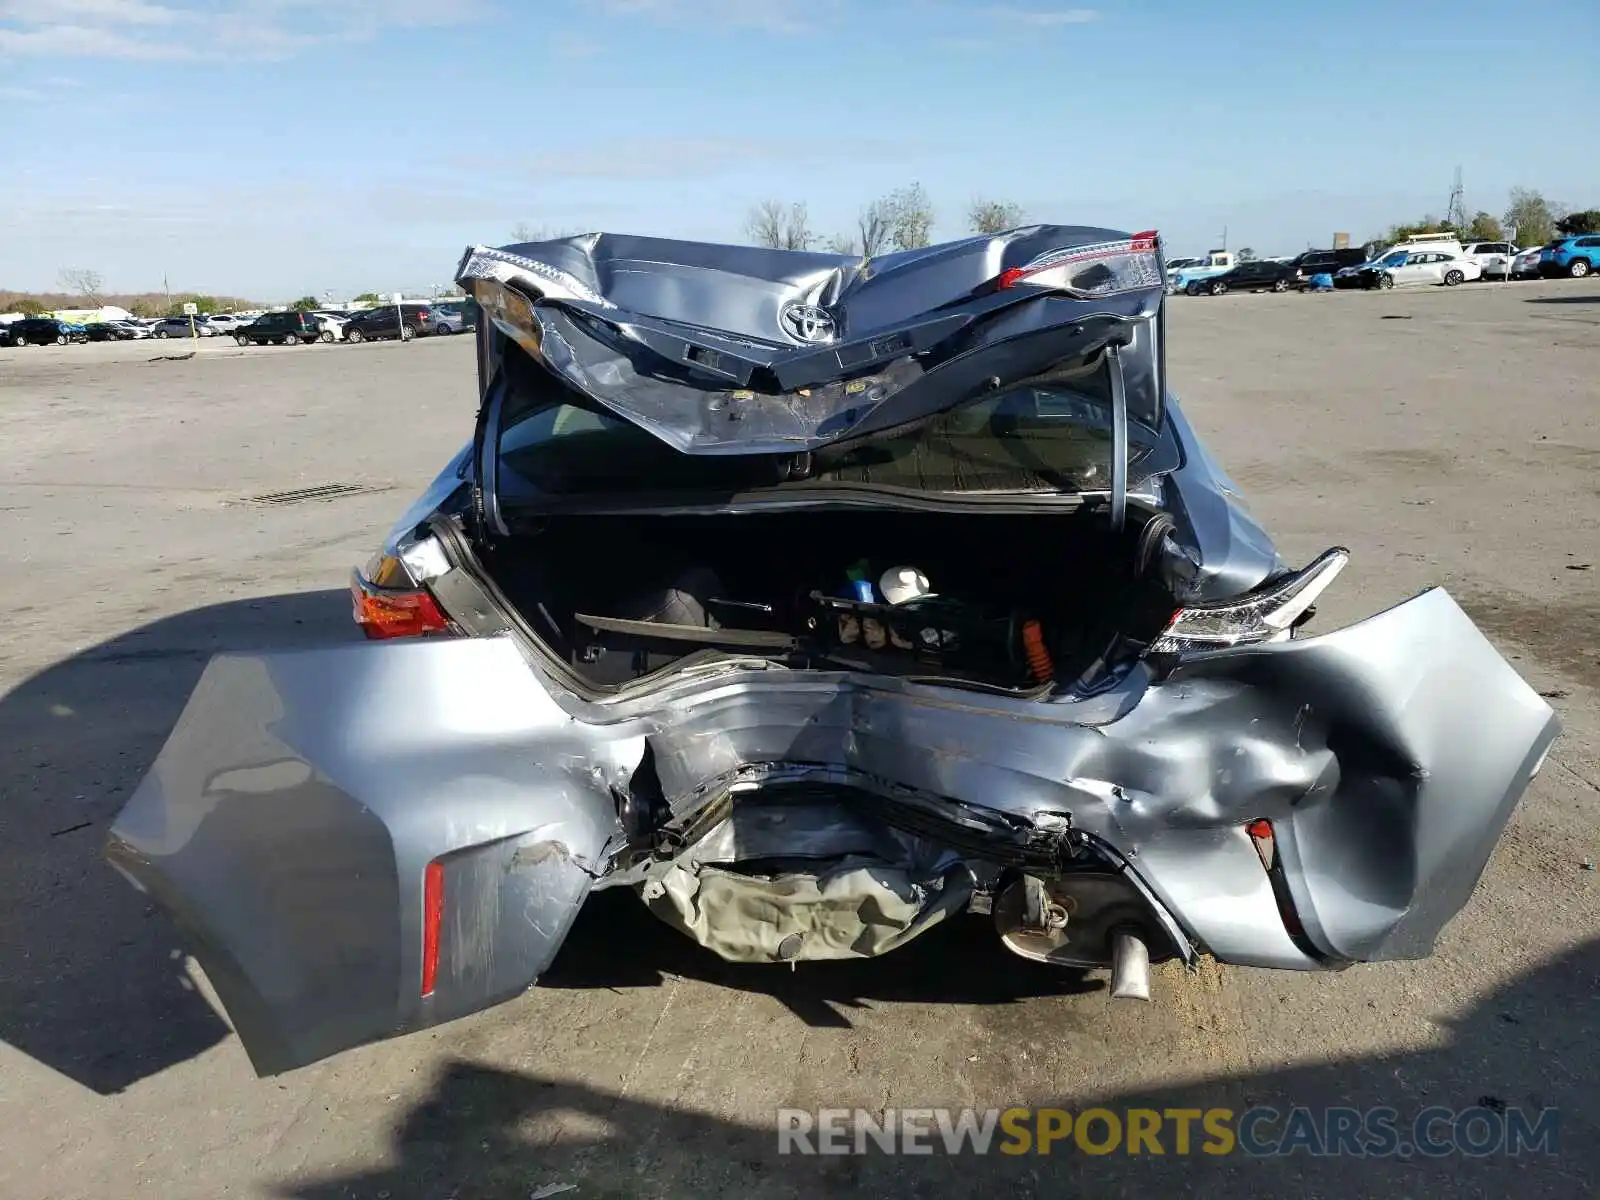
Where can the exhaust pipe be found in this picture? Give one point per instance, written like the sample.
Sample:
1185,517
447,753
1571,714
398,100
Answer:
1130,967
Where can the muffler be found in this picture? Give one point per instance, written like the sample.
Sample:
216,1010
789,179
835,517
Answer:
1087,919
1130,967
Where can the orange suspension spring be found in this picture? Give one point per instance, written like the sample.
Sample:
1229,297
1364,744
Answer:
1039,661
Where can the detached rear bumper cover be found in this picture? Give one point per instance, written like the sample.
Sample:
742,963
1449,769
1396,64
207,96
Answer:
289,820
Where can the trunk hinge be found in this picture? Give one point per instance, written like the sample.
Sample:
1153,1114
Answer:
1119,439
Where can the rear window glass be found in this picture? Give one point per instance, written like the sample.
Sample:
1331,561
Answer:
1048,436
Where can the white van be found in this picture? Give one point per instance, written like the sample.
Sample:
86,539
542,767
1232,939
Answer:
1445,243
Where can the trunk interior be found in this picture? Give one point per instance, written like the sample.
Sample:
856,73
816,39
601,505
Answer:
781,586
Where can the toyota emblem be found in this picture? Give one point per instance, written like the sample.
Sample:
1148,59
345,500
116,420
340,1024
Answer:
807,323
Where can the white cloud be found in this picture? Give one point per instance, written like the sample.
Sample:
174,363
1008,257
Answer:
215,29
83,41
90,12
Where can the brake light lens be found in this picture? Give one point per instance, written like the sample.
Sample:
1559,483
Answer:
432,919
395,612
1268,614
1089,272
1266,843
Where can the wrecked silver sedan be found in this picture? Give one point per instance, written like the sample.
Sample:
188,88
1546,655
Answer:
816,601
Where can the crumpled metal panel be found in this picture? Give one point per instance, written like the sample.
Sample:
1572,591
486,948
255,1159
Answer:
689,339
1336,739
1432,738
289,819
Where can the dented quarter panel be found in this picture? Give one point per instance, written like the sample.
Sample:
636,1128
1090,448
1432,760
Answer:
1408,725
1433,738
289,818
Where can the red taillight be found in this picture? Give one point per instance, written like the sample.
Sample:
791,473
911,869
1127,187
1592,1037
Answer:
395,613
432,919
1260,831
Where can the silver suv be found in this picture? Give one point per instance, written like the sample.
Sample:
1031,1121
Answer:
453,316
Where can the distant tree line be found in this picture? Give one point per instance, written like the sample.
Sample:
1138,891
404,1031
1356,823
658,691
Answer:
140,304
901,220
1529,217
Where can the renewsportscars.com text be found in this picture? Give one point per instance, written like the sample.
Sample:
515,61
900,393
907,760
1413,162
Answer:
1381,1132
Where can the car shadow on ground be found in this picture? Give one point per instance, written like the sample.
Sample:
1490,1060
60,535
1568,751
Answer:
822,993
484,1132
1592,298
92,980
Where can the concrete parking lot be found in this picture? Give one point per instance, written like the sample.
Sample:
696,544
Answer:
1444,436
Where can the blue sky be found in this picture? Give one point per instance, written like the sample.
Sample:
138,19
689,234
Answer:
274,147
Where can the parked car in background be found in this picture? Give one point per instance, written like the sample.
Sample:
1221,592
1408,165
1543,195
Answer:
1494,257
1264,275
333,323
223,323
1218,262
385,322
1526,264
108,331
453,317
1350,277
1441,243
1575,257
179,327
1327,262
44,331
1408,267
135,327
1175,265
282,329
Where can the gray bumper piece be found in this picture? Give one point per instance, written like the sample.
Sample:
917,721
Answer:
290,818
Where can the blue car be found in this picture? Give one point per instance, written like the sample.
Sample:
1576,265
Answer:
1576,257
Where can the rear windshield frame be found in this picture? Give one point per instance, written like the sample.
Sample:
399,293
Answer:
849,470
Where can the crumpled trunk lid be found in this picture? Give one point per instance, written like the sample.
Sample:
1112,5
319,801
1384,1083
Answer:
742,350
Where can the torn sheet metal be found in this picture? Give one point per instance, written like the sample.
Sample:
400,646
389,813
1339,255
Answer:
289,819
743,350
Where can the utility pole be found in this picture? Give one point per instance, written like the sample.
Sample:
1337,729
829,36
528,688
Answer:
1455,213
